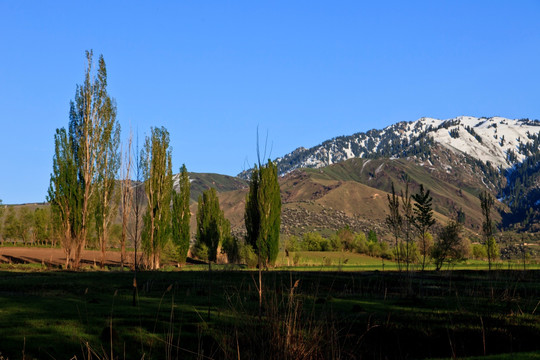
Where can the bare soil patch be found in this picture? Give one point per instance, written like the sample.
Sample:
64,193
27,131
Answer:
56,257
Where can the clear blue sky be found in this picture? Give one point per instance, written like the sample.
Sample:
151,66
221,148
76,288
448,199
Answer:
211,71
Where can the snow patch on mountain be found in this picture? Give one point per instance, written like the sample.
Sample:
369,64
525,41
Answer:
496,140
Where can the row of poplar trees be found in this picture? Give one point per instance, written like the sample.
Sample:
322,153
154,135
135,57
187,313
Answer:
84,189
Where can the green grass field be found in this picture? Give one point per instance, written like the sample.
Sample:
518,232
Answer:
306,314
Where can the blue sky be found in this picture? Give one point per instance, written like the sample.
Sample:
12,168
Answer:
211,71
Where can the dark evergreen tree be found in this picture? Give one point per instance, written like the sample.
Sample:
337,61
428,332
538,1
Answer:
181,216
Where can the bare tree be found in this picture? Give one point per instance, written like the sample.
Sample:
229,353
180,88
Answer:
126,196
486,202
407,221
107,165
394,221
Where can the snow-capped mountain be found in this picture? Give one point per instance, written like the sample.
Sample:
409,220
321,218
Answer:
496,141
498,154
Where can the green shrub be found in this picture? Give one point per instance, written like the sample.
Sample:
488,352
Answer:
313,241
248,256
231,247
478,251
293,243
335,243
201,251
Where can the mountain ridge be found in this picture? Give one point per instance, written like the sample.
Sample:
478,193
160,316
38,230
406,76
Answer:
498,140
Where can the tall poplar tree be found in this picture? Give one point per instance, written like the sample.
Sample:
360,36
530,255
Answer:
263,213
91,113
263,217
423,219
64,194
157,174
181,216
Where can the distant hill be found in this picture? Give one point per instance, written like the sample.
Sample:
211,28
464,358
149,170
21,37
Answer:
203,181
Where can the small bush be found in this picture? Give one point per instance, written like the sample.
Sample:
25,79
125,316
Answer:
231,247
201,251
315,242
248,256
479,251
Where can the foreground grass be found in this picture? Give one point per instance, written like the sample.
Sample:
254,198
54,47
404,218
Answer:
307,314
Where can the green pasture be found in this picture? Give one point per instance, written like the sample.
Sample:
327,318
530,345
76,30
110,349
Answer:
329,314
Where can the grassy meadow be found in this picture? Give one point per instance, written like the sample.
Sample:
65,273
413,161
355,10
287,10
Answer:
309,314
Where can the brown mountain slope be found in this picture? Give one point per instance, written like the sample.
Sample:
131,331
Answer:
320,200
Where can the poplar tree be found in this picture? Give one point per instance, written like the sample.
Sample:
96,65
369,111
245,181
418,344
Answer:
263,213
181,216
91,114
157,174
423,219
64,193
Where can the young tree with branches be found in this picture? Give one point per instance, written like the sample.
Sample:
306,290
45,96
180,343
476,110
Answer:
423,220
449,247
